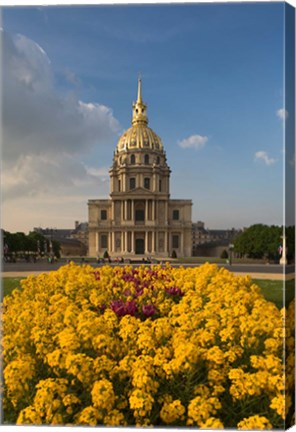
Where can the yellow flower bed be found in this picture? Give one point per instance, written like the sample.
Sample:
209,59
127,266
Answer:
145,346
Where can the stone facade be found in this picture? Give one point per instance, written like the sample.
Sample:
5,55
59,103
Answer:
140,218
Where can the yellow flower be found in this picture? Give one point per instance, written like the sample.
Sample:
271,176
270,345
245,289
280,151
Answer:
88,416
172,412
78,348
103,396
212,423
29,416
254,422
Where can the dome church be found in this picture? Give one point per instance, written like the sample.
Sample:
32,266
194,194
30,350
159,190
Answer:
139,218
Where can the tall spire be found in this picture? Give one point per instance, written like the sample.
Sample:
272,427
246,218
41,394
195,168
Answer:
139,108
139,100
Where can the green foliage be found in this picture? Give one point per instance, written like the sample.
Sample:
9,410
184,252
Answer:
106,255
56,247
263,241
224,254
34,242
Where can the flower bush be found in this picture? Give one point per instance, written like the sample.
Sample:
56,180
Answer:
146,346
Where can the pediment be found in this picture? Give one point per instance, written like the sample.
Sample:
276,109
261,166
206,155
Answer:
140,191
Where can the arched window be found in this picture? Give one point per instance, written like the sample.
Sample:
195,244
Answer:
158,160
133,159
146,159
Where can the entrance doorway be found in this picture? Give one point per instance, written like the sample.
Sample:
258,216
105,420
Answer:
140,246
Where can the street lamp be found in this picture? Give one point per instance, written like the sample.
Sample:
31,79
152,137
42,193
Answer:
230,247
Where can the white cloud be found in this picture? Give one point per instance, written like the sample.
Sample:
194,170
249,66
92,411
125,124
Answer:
194,141
262,155
39,175
282,114
45,134
101,173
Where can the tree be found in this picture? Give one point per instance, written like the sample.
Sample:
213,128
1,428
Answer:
33,242
259,241
56,248
224,254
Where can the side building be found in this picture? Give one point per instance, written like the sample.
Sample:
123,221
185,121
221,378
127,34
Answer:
211,242
73,242
139,218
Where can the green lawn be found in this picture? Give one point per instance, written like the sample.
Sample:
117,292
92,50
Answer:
271,289
8,284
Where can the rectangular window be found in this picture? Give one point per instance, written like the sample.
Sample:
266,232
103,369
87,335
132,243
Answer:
147,183
104,241
175,214
175,241
132,183
103,214
119,185
139,215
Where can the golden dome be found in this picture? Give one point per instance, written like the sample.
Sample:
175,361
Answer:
139,136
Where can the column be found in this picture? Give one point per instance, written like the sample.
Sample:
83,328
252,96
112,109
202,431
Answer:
97,242
125,241
122,242
153,241
122,211
124,183
166,212
113,241
154,183
146,242
182,243
125,209
146,210
165,241
133,210
153,210
109,241
133,241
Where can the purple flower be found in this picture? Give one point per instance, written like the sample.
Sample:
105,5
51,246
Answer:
130,308
139,292
174,291
148,310
121,308
127,292
97,275
118,307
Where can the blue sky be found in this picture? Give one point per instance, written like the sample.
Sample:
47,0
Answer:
212,77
